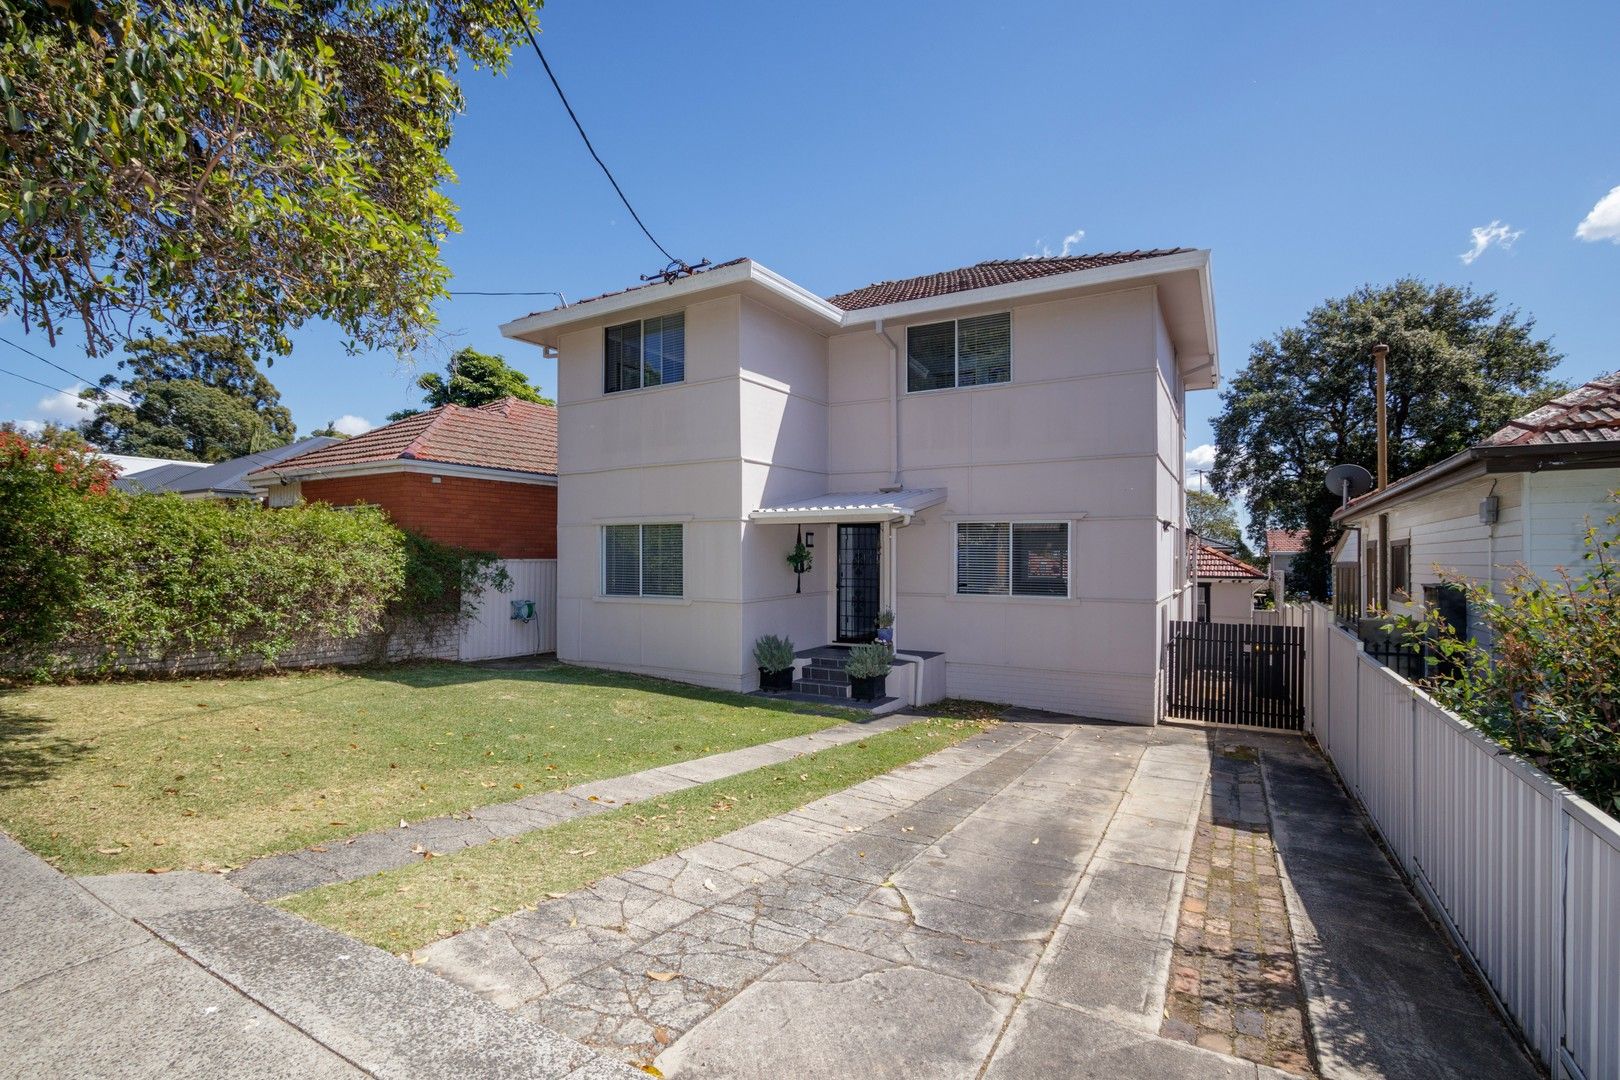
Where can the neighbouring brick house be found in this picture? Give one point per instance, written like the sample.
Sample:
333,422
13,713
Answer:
481,478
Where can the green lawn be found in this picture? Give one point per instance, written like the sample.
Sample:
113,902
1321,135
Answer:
210,773
403,909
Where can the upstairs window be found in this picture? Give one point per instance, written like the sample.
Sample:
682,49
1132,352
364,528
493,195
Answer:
998,558
1400,568
648,352
962,352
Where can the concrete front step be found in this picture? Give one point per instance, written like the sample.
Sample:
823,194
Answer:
821,689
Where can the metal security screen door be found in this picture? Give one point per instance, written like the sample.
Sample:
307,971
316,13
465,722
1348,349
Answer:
859,581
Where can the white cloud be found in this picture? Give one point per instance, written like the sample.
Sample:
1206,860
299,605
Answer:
1603,223
349,424
1043,250
31,427
1496,234
1201,457
65,406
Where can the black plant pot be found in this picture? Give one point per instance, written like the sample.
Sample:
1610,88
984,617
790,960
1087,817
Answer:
776,682
867,689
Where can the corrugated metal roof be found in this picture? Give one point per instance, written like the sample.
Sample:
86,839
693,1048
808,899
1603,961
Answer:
225,477
853,505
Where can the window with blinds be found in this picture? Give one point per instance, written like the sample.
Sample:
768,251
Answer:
999,558
649,352
642,560
962,352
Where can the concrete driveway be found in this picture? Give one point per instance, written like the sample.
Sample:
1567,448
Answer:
1050,898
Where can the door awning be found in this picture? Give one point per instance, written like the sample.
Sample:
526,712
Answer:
853,506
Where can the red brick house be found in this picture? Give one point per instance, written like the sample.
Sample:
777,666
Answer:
481,478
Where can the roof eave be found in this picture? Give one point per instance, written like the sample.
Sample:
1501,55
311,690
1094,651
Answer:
545,328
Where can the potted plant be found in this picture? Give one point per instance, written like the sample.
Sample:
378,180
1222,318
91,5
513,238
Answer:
885,627
868,669
774,655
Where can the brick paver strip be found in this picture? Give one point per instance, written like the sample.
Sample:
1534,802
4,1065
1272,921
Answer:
275,876
1234,982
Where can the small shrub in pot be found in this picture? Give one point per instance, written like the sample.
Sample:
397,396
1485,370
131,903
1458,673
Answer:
774,655
868,669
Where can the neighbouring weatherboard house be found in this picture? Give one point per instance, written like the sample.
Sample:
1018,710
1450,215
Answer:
482,478
1282,545
1522,498
994,454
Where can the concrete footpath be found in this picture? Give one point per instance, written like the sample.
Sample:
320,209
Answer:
230,988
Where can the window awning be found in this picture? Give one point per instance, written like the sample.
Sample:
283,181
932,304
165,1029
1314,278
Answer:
853,506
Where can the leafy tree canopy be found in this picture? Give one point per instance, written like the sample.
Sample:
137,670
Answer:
201,399
1460,366
1213,517
330,431
475,378
233,167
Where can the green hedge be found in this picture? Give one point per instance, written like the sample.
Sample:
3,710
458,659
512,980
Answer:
101,578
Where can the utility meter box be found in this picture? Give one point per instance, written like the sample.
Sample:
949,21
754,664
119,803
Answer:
523,610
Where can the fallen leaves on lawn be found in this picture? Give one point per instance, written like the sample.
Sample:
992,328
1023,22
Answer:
109,851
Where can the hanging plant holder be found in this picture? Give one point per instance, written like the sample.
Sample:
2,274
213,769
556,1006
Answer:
801,558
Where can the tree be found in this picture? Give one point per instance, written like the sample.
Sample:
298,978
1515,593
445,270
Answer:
233,167
475,378
1459,367
201,399
1213,517
330,431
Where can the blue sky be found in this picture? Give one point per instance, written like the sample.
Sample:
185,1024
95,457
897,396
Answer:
1313,147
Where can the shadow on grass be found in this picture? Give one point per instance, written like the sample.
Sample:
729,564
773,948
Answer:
432,675
29,752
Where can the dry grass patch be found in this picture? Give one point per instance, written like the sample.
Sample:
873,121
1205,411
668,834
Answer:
209,773
403,909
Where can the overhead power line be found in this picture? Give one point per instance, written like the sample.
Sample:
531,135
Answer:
118,394
36,382
673,261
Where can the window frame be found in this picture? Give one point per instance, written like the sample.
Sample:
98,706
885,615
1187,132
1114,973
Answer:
1012,526
1400,569
956,354
641,593
641,353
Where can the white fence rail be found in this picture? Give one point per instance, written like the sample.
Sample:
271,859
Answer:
1526,874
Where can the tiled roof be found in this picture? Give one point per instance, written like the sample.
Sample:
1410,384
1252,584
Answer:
1585,415
978,276
1286,541
519,436
982,276
1218,564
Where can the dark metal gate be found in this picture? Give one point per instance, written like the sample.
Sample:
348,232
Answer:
1236,673
860,563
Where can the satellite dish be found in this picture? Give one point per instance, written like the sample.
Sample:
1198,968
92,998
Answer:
1349,481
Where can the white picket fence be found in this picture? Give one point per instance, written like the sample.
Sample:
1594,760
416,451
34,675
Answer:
1526,874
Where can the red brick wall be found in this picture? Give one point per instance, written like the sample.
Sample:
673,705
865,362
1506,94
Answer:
515,521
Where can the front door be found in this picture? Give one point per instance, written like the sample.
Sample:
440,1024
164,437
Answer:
860,552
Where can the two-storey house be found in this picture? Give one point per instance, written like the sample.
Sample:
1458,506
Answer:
994,454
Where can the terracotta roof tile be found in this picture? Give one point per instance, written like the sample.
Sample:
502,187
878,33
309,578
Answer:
1588,414
519,436
978,276
982,276
1286,541
1213,563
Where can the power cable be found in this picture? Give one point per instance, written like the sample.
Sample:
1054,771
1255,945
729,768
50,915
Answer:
119,394
524,19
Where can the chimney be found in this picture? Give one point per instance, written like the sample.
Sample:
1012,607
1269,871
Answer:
1380,352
